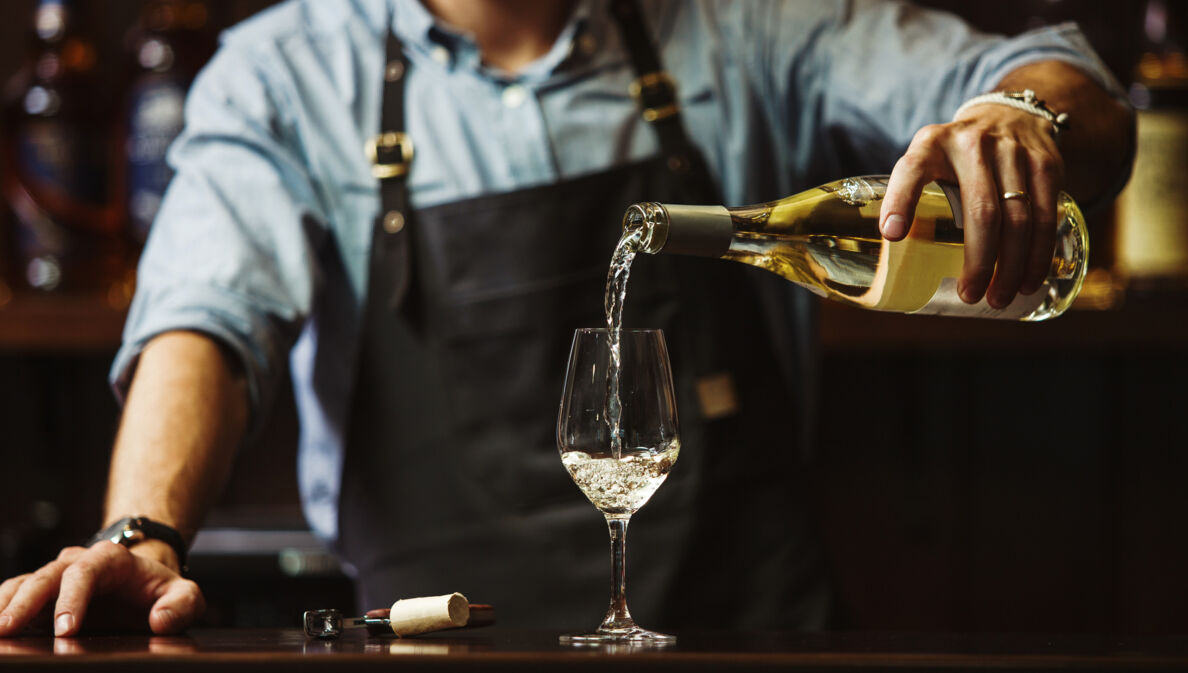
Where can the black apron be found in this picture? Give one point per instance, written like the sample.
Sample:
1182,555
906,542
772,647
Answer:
452,480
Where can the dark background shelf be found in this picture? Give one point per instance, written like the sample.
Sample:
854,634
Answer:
60,324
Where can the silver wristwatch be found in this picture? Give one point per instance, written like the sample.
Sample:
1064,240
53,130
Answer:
132,529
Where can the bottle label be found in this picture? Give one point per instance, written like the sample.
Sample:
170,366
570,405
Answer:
156,118
946,301
62,157
59,173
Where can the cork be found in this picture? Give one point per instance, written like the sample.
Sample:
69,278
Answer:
410,616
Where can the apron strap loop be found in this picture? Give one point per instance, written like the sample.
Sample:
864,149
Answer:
655,92
390,154
653,89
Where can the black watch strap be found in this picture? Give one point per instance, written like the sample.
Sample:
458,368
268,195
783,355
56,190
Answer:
132,529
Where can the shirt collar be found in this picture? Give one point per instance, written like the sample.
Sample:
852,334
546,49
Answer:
412,23
419,29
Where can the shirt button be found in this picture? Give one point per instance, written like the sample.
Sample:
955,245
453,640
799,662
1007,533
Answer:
514,95
393,71
441,55
393,221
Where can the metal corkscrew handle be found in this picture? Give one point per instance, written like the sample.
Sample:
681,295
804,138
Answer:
329,624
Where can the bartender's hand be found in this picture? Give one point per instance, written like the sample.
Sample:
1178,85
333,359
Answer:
987,151
992,149
115,587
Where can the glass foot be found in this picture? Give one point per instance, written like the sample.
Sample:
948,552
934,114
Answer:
633,636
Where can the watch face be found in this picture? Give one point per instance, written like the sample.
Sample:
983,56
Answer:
115,532
124,532
133,529
130,535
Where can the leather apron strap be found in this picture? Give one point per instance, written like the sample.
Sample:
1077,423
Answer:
391,160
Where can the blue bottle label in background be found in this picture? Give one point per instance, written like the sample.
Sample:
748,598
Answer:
155,119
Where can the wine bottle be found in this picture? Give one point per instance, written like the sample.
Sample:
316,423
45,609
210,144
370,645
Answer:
1152,241
827,240
168,45
66,234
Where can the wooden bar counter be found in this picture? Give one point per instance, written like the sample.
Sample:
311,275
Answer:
497,649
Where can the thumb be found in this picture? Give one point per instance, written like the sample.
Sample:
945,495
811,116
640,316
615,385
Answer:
179,604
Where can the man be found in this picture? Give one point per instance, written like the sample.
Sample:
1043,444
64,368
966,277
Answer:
427,290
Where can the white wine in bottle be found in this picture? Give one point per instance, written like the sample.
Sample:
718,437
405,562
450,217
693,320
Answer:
827,239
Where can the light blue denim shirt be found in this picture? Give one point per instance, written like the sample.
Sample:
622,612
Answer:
263,237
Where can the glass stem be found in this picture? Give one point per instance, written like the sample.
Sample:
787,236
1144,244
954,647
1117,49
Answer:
618,617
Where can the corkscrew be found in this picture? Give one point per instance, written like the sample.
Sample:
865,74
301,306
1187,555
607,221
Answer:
405,618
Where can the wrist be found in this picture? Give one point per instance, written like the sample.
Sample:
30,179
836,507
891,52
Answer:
134,532
1024,101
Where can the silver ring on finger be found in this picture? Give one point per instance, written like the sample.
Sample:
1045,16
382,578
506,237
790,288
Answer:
1016,196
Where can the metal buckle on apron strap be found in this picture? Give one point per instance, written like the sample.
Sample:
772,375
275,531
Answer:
386,146
656,94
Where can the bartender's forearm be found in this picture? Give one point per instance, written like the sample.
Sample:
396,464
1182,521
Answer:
1097,144
185,414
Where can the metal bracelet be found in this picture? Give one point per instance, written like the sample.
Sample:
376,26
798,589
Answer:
1021,100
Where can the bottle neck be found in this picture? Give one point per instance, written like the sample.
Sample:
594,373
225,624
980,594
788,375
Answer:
701,231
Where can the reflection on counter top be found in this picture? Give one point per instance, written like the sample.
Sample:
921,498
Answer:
286,649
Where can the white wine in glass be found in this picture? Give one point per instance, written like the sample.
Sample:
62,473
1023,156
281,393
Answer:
618,477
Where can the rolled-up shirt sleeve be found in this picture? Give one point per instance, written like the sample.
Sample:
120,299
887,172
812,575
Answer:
231,252
873,73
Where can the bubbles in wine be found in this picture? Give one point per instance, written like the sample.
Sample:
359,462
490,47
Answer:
620,485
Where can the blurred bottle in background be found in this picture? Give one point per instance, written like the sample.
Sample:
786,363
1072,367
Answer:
168,45
58,154
1152,226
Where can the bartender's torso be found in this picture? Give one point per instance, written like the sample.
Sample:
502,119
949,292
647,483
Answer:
478,131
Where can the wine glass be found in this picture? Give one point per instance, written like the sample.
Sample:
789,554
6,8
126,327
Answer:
618,465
